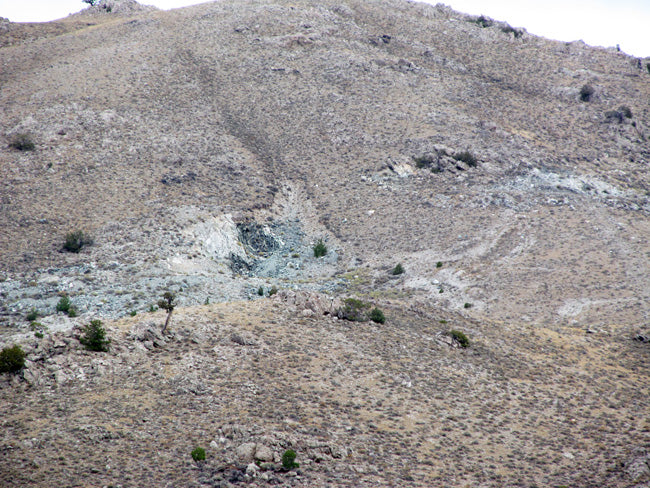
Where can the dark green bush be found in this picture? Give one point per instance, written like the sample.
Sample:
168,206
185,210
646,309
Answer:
320,249
12,359
467,305
198,454
260,291
466,157
22,142
377,315
133,313
76,240
32,315
94,337
273,290
439,264
586,92
289,460
398,269
460,338
64,304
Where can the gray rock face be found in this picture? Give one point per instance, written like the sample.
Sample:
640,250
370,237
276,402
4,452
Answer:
246,452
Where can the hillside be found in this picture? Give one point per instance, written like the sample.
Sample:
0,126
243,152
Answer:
207,149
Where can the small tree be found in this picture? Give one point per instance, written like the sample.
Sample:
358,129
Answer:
320,249
167,303
90,2
12,359
94,337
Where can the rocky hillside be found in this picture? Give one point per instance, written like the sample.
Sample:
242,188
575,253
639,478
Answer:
206,150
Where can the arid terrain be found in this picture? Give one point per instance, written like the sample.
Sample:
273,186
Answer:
206,150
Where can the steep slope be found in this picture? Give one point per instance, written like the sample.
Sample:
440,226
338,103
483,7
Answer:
221,105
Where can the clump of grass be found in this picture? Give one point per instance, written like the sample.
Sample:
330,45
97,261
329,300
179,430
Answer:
32,315
289,460
22,142
198,454
460,338
467,158
320,249
12,359
398,269
94,337
76,240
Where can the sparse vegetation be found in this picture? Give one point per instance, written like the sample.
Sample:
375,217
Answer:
22,142
398,269
320,249
32,315
260,291
64,304
467,158
152,308
508,29
94,337
289,460
12,359
167,303
439,264
459,337
198,454
353,310
467,305
586,92
133,313
273,290
76,240
482,21
376,315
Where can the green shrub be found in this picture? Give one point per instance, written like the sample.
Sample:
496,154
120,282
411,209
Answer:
320,249
586,92
133,313
467,305
12,359
38,334
64,304
94,337
72,311
508,29
76,240
460,338
22,142
260,291
289,460
152,308
398,269
377,315
198,454
439,264
466,157
482,21
353,310
273,290
425,161
32,315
